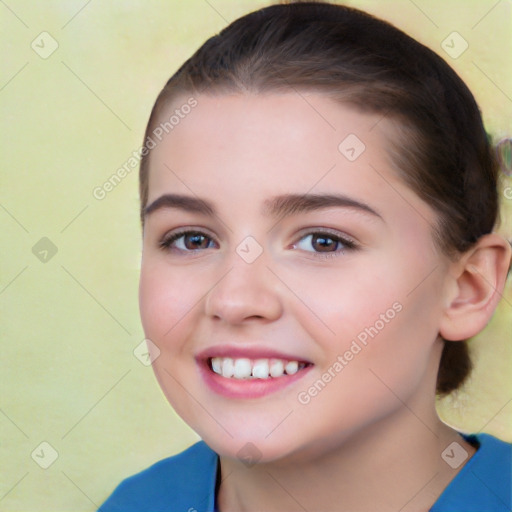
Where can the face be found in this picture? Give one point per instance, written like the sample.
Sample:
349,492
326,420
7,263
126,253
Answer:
289,280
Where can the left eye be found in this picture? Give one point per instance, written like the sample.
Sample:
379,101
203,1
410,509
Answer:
187,241
323,242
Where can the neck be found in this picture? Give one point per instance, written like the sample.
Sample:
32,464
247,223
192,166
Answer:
392,465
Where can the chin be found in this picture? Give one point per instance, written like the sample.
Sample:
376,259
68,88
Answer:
246,448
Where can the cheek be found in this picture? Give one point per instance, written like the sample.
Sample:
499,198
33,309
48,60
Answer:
363,382
166,307
163,300
381,319
340,303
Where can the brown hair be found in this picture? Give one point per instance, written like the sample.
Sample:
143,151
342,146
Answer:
443,154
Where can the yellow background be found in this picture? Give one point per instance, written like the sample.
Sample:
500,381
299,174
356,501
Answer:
69,325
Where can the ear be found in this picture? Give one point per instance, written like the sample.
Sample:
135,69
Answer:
478,279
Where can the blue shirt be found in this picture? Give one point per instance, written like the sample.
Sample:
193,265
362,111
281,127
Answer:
187,482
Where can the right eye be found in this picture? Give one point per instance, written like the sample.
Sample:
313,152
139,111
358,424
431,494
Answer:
186,241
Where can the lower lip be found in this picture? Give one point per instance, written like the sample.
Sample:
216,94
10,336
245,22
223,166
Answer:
247,388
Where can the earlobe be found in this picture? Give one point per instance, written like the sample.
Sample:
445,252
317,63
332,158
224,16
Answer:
479,281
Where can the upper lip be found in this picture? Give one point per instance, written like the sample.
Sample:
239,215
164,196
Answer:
249,352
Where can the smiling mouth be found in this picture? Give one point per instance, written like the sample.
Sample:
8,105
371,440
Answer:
251,369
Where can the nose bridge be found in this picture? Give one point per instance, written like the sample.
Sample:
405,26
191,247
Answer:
246,289
247,262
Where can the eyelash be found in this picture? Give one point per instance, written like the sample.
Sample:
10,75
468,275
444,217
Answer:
348,244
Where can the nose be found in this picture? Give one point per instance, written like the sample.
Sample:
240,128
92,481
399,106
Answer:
246,292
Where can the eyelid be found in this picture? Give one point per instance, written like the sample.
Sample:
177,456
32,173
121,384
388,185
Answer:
347,244
341,235
173,235
345,240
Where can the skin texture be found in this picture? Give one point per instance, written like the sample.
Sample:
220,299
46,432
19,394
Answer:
375,422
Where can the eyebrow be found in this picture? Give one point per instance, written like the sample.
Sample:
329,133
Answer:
187,203
278,206
288,204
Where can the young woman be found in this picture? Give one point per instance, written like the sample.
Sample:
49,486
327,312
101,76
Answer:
318,199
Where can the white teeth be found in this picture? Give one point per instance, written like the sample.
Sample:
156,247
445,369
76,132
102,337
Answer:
260,369
217,365
292,367
244,368
228,368
276,368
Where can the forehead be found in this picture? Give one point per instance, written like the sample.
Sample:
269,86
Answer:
246,147
271,119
